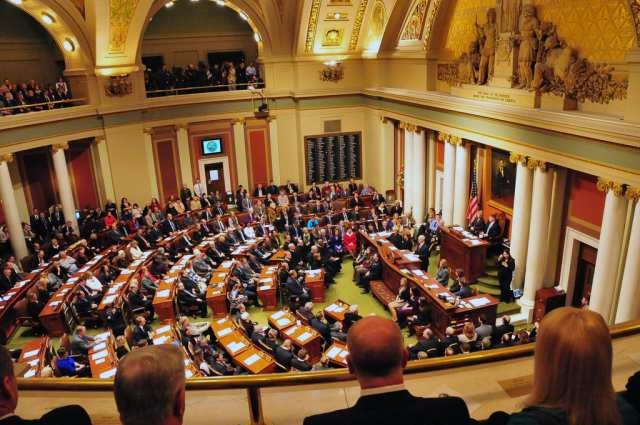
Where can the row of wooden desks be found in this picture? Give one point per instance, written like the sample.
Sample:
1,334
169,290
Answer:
103,359
302,336
241,349
33,357
120,285
164,300
167,334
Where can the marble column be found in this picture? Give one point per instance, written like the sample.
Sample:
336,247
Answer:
105,169
537,247
419,171
431,169
449,174
409,177
632,59
11,214
184,157
521,217
629,300
64,183
461,184
555,224
386,167
241,153
605,275
273,143
151,164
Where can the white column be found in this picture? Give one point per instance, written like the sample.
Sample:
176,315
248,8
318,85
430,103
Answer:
629,300
555,224
461,184
64,184
151,164
605,275
184,156
241,153
273,142
12,217
386,158
431,169
409,173
537,249
105,169
448,184
419,172
521,217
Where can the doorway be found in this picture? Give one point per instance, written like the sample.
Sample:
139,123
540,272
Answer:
215,173
584,274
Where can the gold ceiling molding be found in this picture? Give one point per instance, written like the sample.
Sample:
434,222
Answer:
449,138
410,127
517,158
432,14
632,193
59,147
536,163
313,25
120,15
635,12
357,25
413,27
605,185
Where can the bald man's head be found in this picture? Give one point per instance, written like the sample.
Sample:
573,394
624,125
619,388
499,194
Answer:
376,347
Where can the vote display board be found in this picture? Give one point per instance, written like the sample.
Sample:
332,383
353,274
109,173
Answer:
333,157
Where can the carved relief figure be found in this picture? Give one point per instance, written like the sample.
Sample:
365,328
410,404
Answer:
469,66
487,41
529,26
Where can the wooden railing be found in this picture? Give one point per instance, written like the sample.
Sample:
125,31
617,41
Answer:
46,106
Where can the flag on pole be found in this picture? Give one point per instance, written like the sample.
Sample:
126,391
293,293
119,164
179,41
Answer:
474,199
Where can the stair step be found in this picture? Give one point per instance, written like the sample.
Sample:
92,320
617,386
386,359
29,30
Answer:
488,281
484,289
508,308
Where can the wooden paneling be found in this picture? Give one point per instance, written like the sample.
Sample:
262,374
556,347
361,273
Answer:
439,155
82,174
586,204
36,170
258,150
209,130
165,155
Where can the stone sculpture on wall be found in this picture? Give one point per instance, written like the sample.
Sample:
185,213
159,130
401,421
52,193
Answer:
532,57
119,85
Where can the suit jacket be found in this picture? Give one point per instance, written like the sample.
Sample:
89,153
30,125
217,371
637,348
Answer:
283,357
493,231
68,415
422,251
398,407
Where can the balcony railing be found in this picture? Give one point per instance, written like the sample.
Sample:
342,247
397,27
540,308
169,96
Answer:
206,89
42,106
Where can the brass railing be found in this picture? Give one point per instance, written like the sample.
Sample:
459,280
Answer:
253,383
45,106
205,89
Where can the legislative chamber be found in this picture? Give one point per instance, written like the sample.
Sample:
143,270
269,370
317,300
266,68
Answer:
238,187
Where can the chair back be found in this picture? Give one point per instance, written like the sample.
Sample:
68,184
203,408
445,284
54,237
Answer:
65,342
128,335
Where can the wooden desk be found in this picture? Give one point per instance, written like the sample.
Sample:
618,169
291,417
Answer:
235,343
167,334
335,312
281,320
255,361
337,354
217,292
268,287
34,357
8,302
277,257
305,337
163,300
315,283
120,285
462,252
103,359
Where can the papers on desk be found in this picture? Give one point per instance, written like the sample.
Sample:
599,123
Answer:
100,361
475,242
314,272
221,321
432,286
405,271
160,340
304,336
109,299
227,264
21,284
163,329
291,330
235,346
54,303
225,331
383,234
264,287
5,298
99,355
479,302
136,263
417,272
284,321
30,373
73,279
277,315
266,280
34,362
411,257
252,359
113,290
188,373
344,353
108,374
163,294
458,229
333,353
222,275
99,347
127,271
333,308
102,336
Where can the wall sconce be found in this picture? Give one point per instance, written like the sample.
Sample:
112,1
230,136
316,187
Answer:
68,45
332,71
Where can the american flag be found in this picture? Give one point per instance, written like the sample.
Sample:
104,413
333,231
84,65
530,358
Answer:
474,199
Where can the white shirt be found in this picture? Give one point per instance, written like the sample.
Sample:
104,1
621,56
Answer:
199,189
249,232
136,252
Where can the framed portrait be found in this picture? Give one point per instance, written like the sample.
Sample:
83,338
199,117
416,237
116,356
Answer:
503,179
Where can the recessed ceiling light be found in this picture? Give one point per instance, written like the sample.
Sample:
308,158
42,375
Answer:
47,19
337,15
243,15
68,45
16,1
257,37
219,2
169,4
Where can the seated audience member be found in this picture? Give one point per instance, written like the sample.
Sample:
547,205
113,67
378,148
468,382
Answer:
377,358
468,334
505,328
429,344
68,366
402,299
81,342
633,391
572,374
149,386
284,354
67,415
121,346
485,329
465,290
141,331
442,275
351,317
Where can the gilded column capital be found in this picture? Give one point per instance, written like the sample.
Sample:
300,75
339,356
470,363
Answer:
516,158
59,146
450,138
6,157
410,127
532,164
383,119
271,118
235,121
605,185
147,130
182,126
632,193
99,139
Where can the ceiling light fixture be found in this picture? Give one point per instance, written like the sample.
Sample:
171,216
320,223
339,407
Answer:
243,15
337,15
17,2
219,2
68,45
257,37
47,19
169,4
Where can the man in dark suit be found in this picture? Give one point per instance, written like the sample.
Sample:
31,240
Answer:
272,189
492,232
284,354
477,225
169,226
429,344
68,415
422,251
377,357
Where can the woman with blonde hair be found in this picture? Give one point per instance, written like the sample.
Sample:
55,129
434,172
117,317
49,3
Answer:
468,334
572,374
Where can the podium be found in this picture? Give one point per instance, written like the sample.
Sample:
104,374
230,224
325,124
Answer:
462,253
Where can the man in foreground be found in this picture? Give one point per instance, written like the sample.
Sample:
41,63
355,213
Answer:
149,386
377,357
67,415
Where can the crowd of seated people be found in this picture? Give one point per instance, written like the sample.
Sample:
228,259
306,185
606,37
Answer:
204,77
18,98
